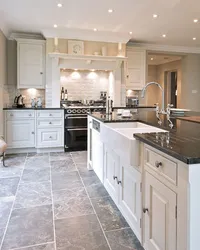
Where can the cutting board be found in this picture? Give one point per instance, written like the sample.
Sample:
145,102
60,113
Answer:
191,118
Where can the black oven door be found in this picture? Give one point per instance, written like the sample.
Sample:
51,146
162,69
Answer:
78,121
75,139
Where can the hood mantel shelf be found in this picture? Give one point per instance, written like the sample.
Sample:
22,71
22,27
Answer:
70,61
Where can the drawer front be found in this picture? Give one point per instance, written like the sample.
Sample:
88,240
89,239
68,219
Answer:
21,114
50,113
48,123
50,137
162,165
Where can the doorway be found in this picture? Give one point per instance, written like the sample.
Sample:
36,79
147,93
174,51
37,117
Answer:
170,87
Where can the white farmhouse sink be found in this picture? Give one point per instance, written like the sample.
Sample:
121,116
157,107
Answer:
119,137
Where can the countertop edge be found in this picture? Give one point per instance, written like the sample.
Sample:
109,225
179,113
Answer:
33,108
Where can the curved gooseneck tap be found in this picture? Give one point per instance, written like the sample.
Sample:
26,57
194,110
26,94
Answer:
163,94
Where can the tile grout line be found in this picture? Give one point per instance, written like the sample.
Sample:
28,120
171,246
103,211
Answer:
115,230
40,244
54,228
11,210
92,204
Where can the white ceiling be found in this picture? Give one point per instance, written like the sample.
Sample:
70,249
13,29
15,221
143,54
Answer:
77,19
162,58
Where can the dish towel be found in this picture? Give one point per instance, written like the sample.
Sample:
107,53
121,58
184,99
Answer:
3,147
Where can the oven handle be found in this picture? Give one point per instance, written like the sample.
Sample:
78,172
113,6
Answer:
75,117
76,129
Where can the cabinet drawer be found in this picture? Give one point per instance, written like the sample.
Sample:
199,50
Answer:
165,167
52,137
48,123
50,113
13,114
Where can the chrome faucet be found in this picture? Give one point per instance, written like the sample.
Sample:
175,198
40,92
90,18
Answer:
162,110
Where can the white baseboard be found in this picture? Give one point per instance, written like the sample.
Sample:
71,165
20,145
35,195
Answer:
33,150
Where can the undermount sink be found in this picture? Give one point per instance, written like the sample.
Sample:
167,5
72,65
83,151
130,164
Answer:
119,137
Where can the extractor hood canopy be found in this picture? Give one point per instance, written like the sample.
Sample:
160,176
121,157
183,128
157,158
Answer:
87,62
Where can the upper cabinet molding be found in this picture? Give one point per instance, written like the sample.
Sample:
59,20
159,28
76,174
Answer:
16,36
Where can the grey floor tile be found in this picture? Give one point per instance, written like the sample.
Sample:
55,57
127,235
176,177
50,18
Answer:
72,207
2,230
66,180
90,181
14,161
65,194
79,157
48,246
63,165
37,174
123,239
35,154
59,156
8,186
84,172
5,207
11,170
33,194
108,214
81,232
29,226
97,191
32,162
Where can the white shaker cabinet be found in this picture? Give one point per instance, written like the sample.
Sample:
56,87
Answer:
130,197
111,173
159,215
30,63
136,68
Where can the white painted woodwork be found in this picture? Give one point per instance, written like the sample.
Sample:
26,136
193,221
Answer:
89,143
51,137
97,154
42,123
130,197
111,170
20,133
19,114
160,219
136,68
168,169
50,114
30,64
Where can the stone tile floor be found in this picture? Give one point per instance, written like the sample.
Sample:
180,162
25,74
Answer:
51,201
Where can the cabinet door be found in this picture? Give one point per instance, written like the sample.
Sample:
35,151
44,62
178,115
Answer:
130,197
97,154
136,69
160,219
111,173
30,65
20,133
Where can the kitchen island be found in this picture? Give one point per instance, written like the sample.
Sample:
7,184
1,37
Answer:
152,173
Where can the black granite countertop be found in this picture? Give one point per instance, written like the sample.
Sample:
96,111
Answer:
182,142
25,108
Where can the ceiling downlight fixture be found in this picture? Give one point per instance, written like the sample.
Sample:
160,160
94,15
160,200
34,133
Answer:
194,38
195,20
95,29
55,26
59,5
155,16
110,11
164,35
130,32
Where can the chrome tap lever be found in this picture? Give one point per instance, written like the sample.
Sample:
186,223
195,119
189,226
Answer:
169,106
158,114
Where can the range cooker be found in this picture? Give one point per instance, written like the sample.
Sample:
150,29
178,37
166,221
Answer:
76,126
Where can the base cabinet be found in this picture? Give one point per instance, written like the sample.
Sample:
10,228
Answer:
111,173
130,197
159,215
20,133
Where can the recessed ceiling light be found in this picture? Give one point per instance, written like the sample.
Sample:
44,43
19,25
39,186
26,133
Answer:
110,11
55,26
130,32
155,15
75,69
196,20
194,38
151,58
59,5
95,29
163,35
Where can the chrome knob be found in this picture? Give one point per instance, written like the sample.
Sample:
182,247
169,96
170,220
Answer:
158,164
41,73
50,122
145,210
11,114
114,177
33,133
119,182
50,137
30,115
50,114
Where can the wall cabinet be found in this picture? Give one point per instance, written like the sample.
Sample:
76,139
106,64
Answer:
30,63
159,215
136,68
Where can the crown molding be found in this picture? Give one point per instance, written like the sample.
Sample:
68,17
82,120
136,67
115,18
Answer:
165,48
19,35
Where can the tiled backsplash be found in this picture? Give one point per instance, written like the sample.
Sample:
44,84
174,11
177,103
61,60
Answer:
10,91
84,84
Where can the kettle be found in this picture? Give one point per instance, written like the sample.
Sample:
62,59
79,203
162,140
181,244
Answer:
19,101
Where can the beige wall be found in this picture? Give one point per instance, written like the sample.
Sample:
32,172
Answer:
89,47
3,75
190,96
157,73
